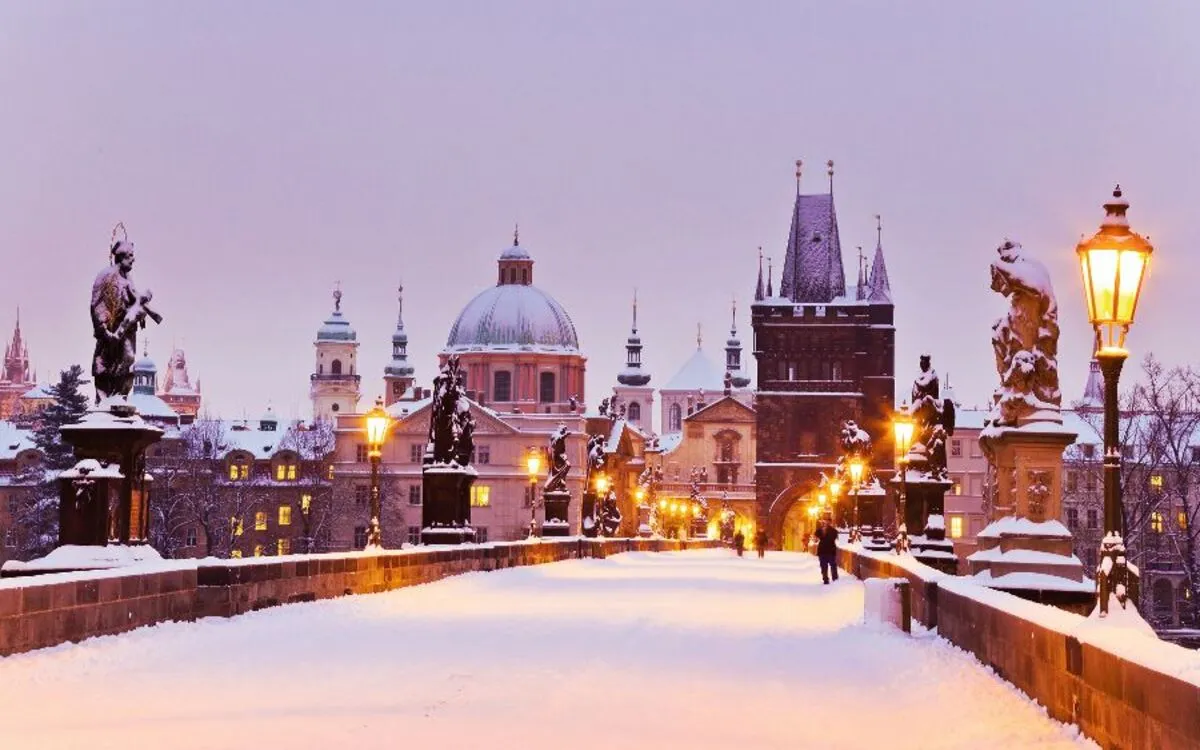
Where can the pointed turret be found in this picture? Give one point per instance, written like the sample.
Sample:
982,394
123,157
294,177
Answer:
398,374
770,275
812,268
145,373
861,290
758,288
880,287
1093,389
733,353
633,374
16,357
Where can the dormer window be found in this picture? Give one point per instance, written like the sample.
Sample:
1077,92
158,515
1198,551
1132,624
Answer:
239,470
285,471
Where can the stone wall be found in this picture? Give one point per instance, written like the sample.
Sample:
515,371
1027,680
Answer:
41,611
1107,690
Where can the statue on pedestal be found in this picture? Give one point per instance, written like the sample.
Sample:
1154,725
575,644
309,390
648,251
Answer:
118,311
1025,340
559,465
933,420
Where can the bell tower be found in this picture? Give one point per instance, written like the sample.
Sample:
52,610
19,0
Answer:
334,383
398,374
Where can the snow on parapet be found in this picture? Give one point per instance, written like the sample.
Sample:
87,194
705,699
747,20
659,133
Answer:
1024,527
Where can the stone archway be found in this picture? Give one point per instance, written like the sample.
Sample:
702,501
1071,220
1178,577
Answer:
788,524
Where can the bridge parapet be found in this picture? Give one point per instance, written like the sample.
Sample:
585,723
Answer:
1123,689
41,611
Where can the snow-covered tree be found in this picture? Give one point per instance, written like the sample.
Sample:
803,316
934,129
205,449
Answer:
36,512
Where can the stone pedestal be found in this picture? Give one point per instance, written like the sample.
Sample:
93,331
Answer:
446,505
929,543
104,500
1026,550
556,504
644,529
698,528
870,515
587,515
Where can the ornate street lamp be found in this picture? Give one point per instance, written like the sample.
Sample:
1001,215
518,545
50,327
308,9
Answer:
533,466
377,424
1113,262
856,472
902,426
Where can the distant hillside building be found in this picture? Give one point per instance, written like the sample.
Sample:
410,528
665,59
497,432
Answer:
17,378
824,356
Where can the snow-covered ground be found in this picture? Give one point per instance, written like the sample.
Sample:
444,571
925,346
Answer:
689,650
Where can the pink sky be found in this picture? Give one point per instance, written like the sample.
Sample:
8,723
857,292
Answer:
259,152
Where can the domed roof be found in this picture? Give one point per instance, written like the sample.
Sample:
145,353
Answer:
145,364
515,252
336,327
513,316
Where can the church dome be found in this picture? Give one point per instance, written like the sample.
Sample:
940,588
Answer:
513,316
336,327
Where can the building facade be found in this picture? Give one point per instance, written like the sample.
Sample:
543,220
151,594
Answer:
19,392
824,356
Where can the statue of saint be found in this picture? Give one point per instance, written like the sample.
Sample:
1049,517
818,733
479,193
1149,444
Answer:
933,419
1025,340
118,311
559,465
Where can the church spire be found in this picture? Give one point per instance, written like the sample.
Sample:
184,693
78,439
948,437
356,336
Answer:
758,288
880,289
398,374
16,357
860,289
733,351
812,267
633,373
770,272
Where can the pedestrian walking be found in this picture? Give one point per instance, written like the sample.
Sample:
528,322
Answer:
827,536
760,542
739,542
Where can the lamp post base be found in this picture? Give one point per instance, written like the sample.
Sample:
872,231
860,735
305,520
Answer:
1115,577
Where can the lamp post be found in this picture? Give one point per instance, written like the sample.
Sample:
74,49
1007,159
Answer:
1114,263
856,472
902,426
377,423
533,465
305,515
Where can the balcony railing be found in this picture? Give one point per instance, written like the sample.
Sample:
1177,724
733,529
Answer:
709,490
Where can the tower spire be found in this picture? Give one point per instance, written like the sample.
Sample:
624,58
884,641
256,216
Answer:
516,234
699,337
830,165
633,374
758,288
635,310
880,289
799,169
400,306
861,291
733,311
770,273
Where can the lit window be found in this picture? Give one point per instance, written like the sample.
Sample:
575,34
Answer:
260,521
291,472
258,550
283,546
235,553
956,527
1156,481
957,488
235,524
1181,519
1156,522
285,515
238,471
329,472
285,472
305,502
480,496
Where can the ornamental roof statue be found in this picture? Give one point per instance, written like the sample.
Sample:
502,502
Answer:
117,311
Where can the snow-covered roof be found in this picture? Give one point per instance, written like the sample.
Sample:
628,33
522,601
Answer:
145,364
514,252
14,440
670,441
812,269
336,328
698,372
39,391
404,409
151,406
511,317
249,437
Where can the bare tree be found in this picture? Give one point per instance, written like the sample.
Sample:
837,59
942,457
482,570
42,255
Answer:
1160,444
314,444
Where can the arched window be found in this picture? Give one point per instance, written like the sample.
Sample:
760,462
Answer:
336,367
675,419
502,386
547,393
634,412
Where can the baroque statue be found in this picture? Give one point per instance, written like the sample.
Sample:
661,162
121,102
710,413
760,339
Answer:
451,427
933,419
559,465
1025,340
118,311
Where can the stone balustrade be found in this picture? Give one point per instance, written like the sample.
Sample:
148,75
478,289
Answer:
1123,689
41,611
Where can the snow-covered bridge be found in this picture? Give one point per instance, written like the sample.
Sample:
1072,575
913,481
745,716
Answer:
696,649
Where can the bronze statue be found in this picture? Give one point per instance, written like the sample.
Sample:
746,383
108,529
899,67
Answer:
1025,340
559,465
933,419
118,311
451,427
